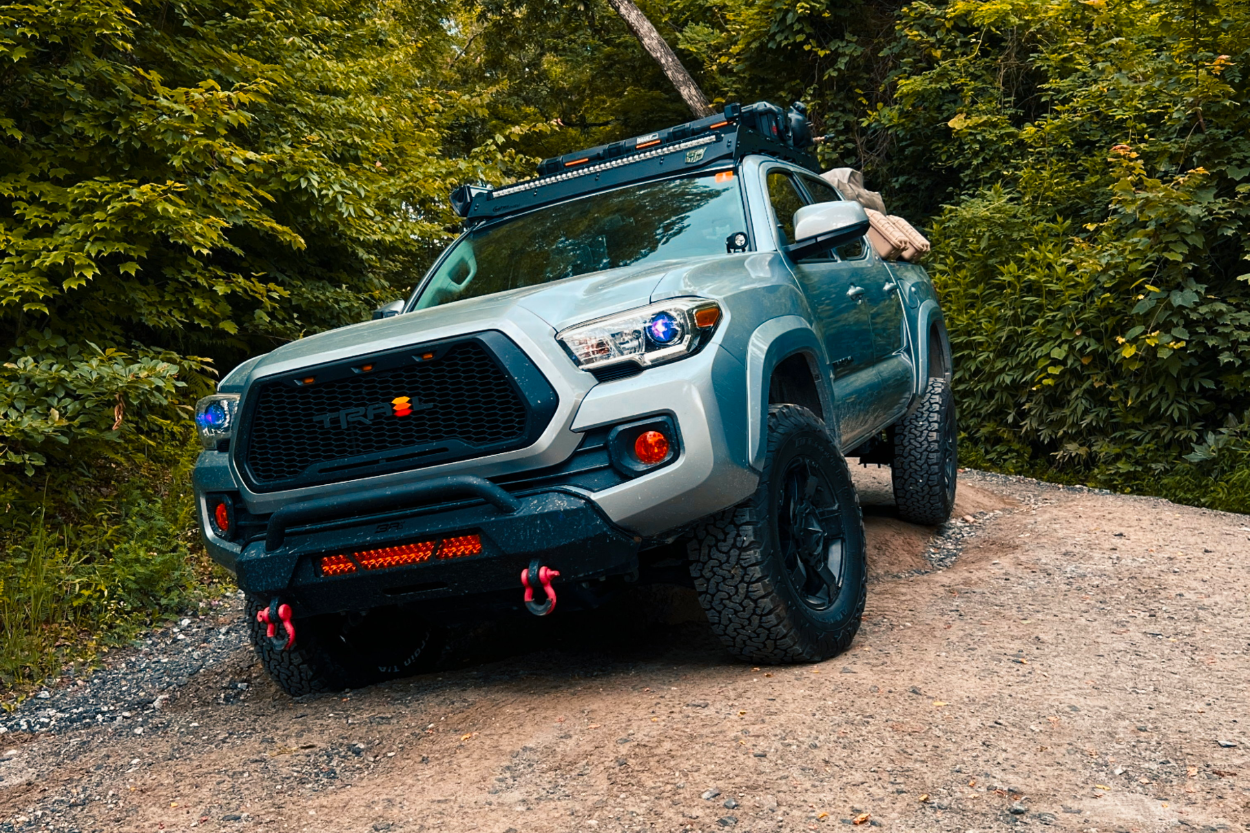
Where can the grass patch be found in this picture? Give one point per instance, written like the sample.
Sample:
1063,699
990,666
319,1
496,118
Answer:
72,587
1223,485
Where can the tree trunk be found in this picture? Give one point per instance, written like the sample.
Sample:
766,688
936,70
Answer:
664,56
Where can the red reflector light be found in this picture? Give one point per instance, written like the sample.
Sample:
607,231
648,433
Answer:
221,516
651,447
402,555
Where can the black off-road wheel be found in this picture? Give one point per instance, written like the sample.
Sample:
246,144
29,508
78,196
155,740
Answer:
782,574
341,651
926,464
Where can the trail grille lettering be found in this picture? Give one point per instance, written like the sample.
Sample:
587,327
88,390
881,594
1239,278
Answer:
400,407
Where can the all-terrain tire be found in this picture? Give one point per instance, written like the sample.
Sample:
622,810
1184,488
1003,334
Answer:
926,458
331,655
738,563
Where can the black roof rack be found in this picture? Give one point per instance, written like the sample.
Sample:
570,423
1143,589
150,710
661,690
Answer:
735,132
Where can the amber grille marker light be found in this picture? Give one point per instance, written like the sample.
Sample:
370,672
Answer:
402,555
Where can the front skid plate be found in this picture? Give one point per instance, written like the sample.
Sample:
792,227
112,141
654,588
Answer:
565,531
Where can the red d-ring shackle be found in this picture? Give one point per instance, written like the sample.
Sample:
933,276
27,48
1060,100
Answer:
536,575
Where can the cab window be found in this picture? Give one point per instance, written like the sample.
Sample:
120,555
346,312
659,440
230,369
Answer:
820,190
785,197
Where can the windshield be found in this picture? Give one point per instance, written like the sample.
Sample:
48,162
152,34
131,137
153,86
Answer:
668,220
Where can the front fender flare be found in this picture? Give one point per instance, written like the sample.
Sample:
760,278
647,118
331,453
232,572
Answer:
772,342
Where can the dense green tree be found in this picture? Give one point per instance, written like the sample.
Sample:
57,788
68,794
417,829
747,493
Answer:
204,178
1093,159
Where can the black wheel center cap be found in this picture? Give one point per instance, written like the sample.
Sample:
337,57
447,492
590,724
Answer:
810,534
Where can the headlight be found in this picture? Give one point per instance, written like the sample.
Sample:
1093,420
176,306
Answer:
648,335
214,418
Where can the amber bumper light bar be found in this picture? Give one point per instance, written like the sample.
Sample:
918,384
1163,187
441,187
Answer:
402,555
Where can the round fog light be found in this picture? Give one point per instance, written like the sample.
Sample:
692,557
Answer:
221,517
651,447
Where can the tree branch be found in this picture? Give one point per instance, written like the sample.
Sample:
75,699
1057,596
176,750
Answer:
663,54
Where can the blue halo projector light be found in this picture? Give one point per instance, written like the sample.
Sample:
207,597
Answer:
214,417
663,328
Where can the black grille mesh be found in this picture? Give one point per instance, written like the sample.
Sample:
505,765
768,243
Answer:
466,394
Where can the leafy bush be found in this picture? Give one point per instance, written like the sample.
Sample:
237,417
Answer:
1091,255
67,590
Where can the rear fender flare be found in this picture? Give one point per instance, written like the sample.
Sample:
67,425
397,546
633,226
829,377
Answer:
928,315
773,342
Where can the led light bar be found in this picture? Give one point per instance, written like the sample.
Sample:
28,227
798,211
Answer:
403,555
604,166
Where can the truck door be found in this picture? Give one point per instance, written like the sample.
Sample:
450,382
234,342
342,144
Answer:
892,371
840,312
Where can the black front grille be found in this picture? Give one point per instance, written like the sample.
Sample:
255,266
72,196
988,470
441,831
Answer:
347,423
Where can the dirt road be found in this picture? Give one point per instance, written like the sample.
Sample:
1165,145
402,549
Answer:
1074,661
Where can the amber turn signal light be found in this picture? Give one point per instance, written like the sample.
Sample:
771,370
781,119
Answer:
706,317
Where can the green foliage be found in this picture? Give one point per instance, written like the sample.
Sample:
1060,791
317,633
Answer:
559,76
1091,251
198,181
66,401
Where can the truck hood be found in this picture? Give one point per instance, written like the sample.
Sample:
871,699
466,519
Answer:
556,305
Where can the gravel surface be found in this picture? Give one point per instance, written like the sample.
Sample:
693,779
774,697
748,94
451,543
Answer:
1053,658
133,687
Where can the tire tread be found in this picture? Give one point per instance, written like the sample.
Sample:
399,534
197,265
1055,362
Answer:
729,565
917,469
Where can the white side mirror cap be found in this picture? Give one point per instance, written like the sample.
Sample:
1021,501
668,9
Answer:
824,217
825,225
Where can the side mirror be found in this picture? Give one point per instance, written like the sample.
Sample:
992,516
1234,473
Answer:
391,310
826,225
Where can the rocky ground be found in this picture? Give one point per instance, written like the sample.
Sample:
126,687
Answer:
1051,659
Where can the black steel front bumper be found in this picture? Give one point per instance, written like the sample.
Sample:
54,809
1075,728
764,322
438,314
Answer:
564,531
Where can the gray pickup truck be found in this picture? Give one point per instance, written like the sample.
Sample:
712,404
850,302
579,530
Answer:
648,364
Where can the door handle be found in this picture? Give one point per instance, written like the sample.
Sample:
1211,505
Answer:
890,287
855,292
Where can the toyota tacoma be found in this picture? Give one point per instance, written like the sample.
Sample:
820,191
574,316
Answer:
650,363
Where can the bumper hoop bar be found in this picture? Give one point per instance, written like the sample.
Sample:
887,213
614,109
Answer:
333,508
